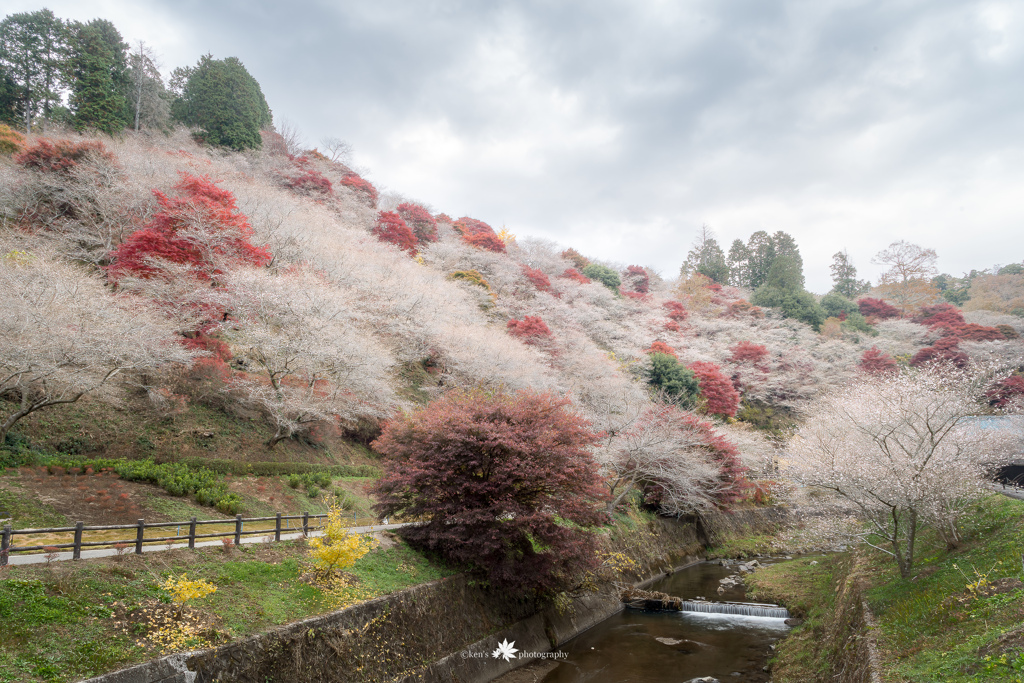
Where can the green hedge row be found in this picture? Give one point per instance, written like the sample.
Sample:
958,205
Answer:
271,469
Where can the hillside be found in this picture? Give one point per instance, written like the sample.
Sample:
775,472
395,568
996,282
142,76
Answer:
263,306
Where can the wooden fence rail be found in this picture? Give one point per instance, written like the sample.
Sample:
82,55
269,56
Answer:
7,534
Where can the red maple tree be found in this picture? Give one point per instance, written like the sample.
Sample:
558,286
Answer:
478,234
200,227
530,329
877,308
502,483
361,187
874,361
721,397
419,221
392,229
575,275
537,277
661,347
748,352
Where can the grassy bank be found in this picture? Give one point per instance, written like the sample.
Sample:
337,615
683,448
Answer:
958,618
68,621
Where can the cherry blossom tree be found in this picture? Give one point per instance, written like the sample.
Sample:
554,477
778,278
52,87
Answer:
62,336
303,356
903,450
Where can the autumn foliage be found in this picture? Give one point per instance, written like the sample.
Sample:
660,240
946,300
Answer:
720,396
748,352
943,351
575,276
478,234
877,362
504,484
1006,391
661,347
537,277
877,308
637,280
60,156
306,178
11,141
419,221
392,229
199,227
361,187
676,311
530,329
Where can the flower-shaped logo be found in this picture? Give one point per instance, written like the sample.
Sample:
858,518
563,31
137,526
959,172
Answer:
506,650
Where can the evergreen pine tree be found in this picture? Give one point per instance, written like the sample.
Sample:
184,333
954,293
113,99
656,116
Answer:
762,253
222,99
844,277
100,77
33,53
739,264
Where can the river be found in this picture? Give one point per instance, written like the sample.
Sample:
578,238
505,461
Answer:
655,647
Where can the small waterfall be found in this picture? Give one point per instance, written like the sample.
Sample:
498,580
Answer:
735,608
738,608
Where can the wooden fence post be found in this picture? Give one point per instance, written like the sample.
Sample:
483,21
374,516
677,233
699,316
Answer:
192,534
305,524
277,528
77,553
5,544
139,535
238,530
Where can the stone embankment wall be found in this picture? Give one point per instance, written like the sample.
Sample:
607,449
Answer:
443,631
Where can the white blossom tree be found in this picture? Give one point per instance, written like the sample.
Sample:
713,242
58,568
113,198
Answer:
63,336
903,450
306,358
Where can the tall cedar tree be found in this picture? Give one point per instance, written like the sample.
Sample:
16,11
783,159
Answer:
32,52
504,484
220,97
100,84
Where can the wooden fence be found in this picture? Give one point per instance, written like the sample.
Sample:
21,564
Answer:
282,523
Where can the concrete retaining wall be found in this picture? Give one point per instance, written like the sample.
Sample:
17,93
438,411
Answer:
419,634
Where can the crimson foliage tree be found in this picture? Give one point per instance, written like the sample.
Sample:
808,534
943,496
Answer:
199,227
392,229
676,311
60,156
362,187
504,484
419,221
748,352
877,308
720,396
537,277
945,351
874,361
530,329
478,234
637,280
1006,391
573,274
661,347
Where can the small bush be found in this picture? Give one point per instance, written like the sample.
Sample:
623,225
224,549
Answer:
605,275
11,141
363,189
60,156
231,504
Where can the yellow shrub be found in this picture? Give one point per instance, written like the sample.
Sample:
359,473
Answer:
11,141
183,589
337,548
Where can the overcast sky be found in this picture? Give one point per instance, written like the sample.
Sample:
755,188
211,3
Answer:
619,127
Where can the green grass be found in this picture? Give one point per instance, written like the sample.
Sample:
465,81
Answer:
931,627
59,624
26,511
744,546
807,590
181,508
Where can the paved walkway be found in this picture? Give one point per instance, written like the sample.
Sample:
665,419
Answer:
1009,492
38,558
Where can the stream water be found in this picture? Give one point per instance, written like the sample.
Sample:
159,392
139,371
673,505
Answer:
654,647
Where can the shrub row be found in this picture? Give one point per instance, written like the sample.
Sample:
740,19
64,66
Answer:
271,469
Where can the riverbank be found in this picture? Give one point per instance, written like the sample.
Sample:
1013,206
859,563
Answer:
958,618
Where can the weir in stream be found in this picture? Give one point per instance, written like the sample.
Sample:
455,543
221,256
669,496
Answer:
729,639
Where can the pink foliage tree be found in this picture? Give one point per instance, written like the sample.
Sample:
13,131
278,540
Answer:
720,396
